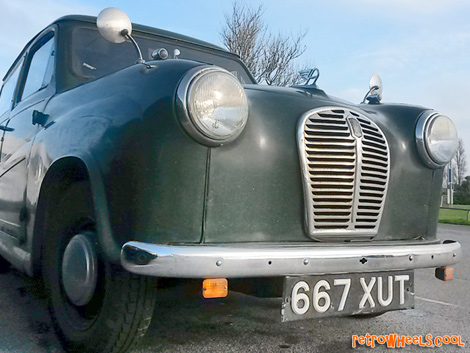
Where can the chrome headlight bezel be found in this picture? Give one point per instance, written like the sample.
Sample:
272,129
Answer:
425,122
188,121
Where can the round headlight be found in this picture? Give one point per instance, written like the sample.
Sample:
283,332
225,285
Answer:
437,139
216,105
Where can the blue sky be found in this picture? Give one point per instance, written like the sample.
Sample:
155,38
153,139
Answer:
420,48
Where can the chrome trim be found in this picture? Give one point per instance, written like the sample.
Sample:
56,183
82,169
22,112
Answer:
358,221
423,122
183,112
160,54
248,260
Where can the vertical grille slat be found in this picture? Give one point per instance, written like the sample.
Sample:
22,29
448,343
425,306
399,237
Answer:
345,163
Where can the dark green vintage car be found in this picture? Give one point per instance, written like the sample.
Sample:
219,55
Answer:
126,158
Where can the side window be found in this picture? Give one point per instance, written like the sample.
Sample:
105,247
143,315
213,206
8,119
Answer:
8,89
40,68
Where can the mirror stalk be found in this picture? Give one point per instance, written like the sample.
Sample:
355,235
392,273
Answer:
126,34
367,96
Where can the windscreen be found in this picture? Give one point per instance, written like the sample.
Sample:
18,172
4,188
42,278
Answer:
94,57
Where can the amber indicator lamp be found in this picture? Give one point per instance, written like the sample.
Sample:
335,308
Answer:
215,288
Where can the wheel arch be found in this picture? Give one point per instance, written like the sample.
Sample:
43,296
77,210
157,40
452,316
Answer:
62,173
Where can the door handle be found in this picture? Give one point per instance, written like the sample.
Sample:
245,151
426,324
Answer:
39,118
6,128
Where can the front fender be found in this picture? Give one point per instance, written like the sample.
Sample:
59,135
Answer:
147,176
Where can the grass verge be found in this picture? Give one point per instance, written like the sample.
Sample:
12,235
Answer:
454,216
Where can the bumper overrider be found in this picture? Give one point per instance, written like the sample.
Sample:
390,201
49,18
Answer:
260,260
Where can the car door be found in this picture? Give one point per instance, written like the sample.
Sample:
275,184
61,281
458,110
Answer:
34,89
3,128
7,96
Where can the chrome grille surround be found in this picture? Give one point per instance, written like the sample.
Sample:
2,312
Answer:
345,171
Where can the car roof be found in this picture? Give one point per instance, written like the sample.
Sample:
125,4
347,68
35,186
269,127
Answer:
135,27
147,29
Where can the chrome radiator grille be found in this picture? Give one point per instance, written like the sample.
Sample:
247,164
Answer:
345,167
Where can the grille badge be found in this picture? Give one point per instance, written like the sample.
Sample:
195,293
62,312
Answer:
355,127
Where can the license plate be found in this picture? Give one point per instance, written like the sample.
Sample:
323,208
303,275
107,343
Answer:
346,294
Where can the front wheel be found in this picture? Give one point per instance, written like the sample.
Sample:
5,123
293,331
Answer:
96,306
368,316
4,265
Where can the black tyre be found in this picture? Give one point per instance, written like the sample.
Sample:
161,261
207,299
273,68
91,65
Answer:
4,265
112,313
368,316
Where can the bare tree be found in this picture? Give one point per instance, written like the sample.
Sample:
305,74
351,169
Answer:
269,57
460,163
458,166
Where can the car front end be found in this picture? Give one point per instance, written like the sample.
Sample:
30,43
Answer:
308,186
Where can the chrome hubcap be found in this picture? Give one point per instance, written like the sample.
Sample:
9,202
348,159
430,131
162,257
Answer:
80,270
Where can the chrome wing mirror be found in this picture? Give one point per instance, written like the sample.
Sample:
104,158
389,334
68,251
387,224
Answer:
115,26
374,95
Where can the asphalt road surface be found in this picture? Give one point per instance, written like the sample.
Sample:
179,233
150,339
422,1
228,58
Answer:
240,323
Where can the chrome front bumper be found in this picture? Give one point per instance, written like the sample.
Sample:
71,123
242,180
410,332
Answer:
248,260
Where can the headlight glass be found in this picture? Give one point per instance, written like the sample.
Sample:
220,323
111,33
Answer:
441,139
217,104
